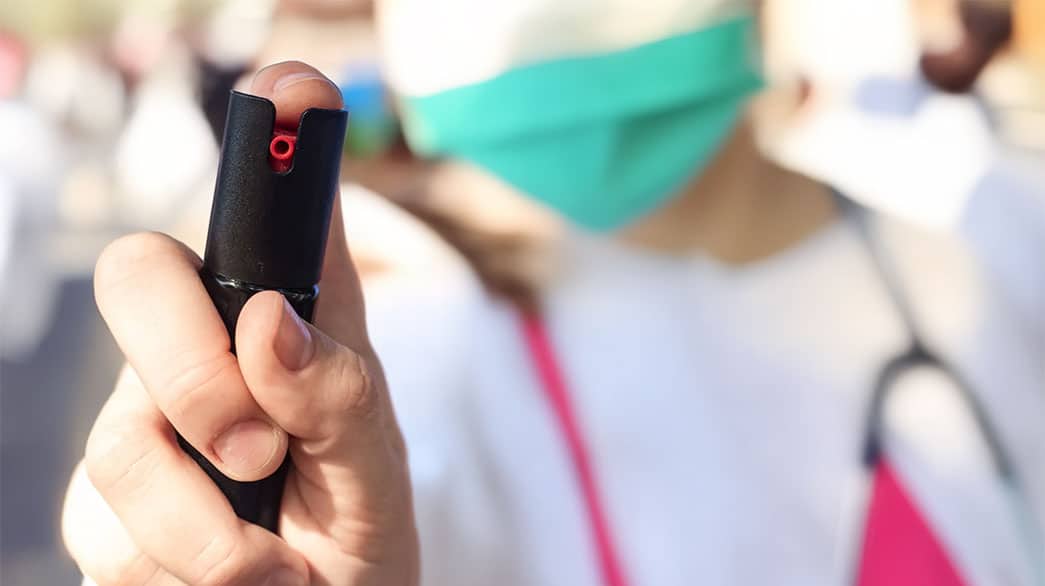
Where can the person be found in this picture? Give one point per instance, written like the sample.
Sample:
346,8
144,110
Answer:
708,381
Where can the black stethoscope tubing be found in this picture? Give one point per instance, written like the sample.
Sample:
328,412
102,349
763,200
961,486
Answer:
919,355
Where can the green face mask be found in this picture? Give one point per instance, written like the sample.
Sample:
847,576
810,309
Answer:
603,140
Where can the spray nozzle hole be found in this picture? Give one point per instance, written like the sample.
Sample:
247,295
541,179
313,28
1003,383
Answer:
282,147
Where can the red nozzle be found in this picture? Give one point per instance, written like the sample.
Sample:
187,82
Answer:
281,151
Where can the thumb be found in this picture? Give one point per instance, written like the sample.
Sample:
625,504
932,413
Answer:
331,399
324,386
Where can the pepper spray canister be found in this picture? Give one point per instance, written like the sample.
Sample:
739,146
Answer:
268,231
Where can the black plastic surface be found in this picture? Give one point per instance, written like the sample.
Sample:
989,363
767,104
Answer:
270,228
258,501
268,231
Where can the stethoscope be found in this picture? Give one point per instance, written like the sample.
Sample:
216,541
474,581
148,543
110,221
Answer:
917,356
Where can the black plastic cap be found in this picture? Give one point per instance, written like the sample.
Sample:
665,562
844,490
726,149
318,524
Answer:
270,228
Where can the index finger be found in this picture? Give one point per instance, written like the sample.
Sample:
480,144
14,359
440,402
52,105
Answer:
175,515
149,293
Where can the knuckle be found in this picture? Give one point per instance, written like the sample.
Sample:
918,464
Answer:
189,387
132,258
352,386
137,570
98,544
222,562
128,256
116,459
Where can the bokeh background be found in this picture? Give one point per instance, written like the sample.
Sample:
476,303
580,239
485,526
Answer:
110,121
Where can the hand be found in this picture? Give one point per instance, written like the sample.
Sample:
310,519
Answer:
139,511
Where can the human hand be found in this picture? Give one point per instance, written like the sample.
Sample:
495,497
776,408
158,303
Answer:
140,511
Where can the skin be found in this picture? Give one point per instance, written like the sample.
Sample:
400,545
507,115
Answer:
138,511
743,208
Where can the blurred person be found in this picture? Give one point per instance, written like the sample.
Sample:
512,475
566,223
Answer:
905,140
874,121
718,370
32,162
62,111
166,125
961,37
30,172
181,61
994,48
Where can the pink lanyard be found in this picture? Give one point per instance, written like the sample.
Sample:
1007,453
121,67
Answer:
553,384
899,547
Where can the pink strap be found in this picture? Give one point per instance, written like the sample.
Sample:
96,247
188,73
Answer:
899,546
555,391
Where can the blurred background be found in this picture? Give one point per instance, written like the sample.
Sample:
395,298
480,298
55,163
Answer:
112,113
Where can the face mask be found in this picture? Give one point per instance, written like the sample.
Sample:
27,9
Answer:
606,137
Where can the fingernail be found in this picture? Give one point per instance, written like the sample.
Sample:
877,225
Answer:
296,78
247,447
285,577
293,343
